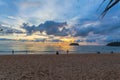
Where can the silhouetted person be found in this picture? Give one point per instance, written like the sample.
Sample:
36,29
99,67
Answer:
67,51
98,52
112,52
26,51
13,51
57,53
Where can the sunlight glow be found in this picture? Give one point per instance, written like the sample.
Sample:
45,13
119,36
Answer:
68,39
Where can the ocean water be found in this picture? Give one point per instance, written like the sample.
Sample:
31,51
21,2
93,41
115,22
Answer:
6,47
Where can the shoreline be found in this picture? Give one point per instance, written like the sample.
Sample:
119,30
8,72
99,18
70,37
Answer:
60,53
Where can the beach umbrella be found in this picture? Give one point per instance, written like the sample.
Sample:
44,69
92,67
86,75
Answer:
111,4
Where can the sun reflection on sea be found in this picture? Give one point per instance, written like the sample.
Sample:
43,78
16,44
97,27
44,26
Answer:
47,46
65,46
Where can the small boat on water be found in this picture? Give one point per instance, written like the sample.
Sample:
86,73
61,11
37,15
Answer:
74,44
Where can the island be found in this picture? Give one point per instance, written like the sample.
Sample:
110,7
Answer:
114,44
74,44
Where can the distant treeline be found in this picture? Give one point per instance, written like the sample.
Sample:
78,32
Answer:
114,44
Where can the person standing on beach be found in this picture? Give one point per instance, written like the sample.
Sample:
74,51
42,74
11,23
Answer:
26,51
12,51
67,51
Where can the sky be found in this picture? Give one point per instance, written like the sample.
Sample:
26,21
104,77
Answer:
59,20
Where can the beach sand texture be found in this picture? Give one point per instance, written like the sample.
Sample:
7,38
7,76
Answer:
60,67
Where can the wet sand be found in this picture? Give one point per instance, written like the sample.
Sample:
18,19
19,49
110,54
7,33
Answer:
60,67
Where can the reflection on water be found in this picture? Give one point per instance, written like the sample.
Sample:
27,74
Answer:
40,47
33,46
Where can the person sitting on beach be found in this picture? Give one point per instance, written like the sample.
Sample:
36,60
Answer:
112,52
98,52
57,53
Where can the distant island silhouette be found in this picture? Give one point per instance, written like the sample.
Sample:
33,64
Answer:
74,44
114,44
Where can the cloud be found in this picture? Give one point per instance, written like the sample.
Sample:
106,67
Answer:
11,17
14,21
76,18
83,28
9,30
49,27
97,30
36,12
29,4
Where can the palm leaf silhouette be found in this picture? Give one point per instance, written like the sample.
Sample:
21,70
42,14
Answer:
111,4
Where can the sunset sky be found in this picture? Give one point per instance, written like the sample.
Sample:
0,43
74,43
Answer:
59,20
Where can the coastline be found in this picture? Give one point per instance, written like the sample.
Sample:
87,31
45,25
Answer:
60,67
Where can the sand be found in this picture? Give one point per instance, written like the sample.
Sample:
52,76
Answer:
60,67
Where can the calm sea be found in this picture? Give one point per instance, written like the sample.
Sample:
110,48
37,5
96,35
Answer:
6,47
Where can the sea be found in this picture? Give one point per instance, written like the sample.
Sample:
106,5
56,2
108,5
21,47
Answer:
18,47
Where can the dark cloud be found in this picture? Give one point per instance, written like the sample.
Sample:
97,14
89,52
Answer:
91,29
87,26
50,27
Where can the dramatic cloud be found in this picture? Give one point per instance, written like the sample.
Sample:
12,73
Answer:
49,27
92,30
84,27
59,18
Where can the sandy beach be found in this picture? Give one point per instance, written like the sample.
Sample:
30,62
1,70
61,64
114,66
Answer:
60,67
